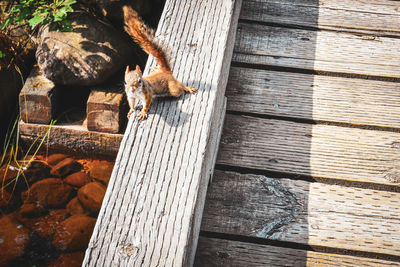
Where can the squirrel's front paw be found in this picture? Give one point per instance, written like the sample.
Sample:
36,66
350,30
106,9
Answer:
142,115
129,113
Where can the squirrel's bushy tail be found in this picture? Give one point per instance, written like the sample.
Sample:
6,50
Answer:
144,37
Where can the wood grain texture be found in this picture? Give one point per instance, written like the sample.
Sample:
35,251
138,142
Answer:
217,252
37,99
106,111
152,210
315,214
322,51
322,151
73,139
314,97
378,17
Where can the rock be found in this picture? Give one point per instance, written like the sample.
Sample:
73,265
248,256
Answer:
101,170
77,179
73,259
45,226
31,210
91,196
88,55
6,199
53,159
76,207
50,193
14,238
65,167
74,233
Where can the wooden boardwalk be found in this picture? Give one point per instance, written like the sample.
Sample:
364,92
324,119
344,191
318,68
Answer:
308,170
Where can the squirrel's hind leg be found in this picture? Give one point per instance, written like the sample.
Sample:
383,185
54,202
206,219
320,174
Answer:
176,88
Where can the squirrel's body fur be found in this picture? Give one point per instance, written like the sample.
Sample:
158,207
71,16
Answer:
160,81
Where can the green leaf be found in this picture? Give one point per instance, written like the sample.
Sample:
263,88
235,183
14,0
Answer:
2,54
5,23
68,2
33,22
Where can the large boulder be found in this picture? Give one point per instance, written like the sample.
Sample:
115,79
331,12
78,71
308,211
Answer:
88,55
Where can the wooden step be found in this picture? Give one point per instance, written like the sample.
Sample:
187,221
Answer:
314,97
218,252
321,51
152,210
312,214
321,151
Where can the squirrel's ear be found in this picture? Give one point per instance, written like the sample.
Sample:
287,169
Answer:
127,70
138,70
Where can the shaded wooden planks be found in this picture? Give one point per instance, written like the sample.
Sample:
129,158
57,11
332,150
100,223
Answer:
218,252
321,51
313,214
314,97
322,151
378,17
152,209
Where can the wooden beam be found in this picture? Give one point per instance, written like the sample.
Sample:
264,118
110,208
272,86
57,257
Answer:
37,99
314,97
153,206
72,139
106,110
321,151
322,51
312,214
219,252
377,17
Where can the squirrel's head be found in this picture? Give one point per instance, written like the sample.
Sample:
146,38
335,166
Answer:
133,79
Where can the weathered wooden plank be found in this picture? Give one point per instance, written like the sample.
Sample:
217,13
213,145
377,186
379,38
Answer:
314,97
322,151
315,214
152,209
72,139
322,51
37,99
219,252
378,17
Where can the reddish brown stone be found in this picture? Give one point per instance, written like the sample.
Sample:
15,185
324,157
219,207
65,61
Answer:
14,238
6,199
91,196
50,192
75,207
101,170
65,167
31,210
74,233
73,259
53,159
77,179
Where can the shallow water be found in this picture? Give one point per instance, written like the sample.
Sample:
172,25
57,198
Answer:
48,212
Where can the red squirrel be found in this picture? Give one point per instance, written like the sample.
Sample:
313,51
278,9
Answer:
160,81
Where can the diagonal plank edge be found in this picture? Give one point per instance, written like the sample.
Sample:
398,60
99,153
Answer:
152,210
